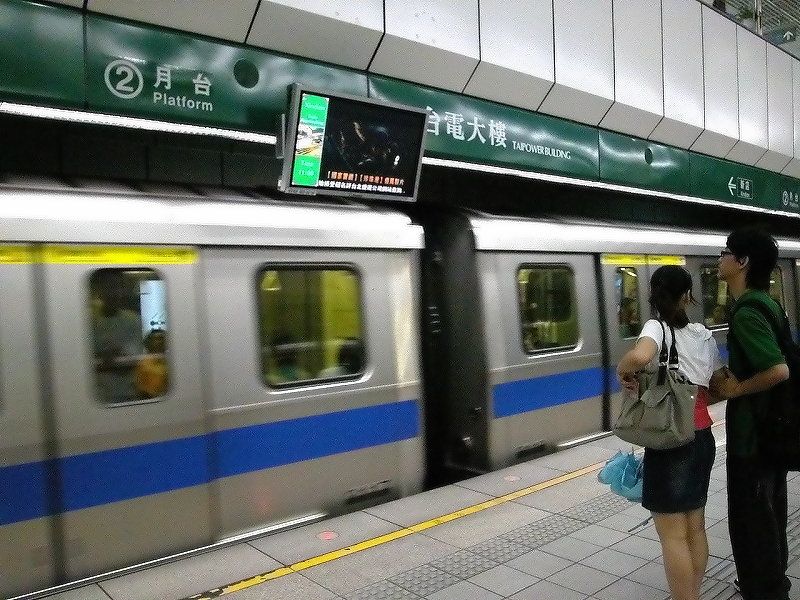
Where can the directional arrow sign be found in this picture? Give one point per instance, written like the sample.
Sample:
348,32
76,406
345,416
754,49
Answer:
731,187
788,36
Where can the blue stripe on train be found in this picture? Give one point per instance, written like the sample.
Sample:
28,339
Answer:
98,478
515,397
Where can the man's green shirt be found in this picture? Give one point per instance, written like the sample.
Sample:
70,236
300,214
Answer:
757,350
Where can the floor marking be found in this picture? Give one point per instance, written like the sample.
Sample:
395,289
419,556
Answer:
394,535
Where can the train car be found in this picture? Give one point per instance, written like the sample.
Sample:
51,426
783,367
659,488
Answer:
177,368
526,320
183,368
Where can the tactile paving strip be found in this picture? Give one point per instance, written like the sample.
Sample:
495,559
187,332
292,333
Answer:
464,564
424,580
717,590
599,508
383,590
543,531
724,571
499,550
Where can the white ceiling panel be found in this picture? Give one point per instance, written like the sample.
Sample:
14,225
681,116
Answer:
228,20
433,42
638,80
752,71
584,60
337,31
683,73
516,54
720,85
780,109
793,168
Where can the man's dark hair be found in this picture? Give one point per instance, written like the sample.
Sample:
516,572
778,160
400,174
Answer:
762,251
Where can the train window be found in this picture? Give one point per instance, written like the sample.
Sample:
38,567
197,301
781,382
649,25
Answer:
717,301
129,329
628,309
715,297
776,286
547,308
310,325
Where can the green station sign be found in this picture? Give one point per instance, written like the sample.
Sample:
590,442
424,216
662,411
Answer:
119,67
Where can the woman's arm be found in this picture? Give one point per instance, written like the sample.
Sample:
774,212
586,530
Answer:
635,360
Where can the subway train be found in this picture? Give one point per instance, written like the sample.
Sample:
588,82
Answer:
181,368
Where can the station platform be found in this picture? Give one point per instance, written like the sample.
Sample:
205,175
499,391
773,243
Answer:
541,530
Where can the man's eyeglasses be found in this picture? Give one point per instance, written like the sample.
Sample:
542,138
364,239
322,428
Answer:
724,253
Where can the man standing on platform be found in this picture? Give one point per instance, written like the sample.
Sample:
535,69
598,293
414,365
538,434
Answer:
757,504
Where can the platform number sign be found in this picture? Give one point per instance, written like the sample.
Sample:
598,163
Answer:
124,79
790,199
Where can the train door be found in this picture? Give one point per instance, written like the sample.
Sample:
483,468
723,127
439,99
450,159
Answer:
315,383
544,350
122,328
25,527
625,288
782,288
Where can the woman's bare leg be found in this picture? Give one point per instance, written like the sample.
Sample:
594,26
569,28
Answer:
673,531
698,545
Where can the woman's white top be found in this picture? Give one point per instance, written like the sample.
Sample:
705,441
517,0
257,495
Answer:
698,355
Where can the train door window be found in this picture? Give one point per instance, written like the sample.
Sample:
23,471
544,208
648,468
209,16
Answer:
310,325
715,297
129,335
776,286
628,308
547,308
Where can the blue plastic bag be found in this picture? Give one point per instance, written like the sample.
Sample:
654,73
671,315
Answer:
623,472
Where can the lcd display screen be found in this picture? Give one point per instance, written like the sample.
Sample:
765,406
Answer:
351,146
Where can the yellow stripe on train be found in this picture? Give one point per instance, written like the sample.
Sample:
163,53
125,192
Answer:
119,255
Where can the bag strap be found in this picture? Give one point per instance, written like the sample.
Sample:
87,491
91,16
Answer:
673,350
663,357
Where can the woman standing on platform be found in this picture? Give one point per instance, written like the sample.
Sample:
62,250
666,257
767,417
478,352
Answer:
675,486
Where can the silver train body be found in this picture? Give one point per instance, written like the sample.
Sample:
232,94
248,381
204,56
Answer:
449,380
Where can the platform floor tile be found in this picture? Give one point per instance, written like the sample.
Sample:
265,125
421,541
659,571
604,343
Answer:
299,544
565,495
464,590
582,579
191,576
614,562
504,580
92,592
289,587
427,505
353,572
511,479
711,589
575,458
499,549
637,546
719,547
571,548
473,529
544,531
625,589
539,564
546,590
651,574
383,590
598,535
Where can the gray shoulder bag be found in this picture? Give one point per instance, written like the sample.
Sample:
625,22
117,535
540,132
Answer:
662,416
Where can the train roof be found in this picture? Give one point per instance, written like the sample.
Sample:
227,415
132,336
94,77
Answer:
49,210
516,234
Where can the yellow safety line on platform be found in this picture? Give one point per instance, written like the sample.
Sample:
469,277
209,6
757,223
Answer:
395,535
